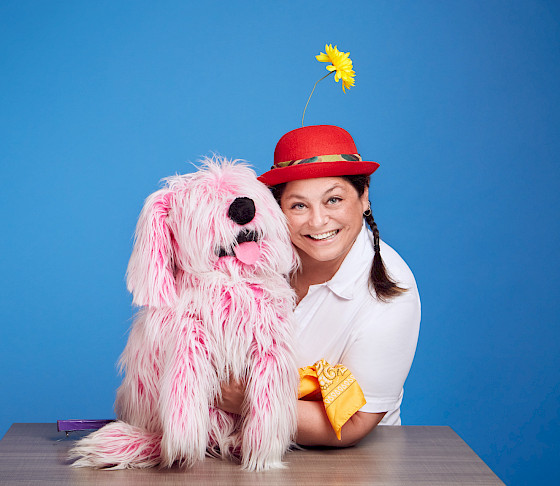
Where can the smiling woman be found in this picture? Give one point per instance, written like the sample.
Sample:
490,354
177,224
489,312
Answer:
325,218
355,309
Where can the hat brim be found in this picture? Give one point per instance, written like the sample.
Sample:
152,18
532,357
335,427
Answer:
314,170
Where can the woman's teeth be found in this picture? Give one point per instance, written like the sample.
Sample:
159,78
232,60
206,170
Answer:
323,236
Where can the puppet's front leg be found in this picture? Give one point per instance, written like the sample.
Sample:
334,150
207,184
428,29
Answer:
188,385
138,396
271,420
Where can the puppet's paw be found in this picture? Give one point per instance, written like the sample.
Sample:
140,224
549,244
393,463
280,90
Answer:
258,460
263,454
265,440
184,447
117,446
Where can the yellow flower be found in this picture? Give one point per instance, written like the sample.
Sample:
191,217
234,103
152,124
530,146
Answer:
341,63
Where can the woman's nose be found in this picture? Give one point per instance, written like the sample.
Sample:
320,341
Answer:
319,217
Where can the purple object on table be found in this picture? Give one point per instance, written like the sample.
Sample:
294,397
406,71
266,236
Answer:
78,424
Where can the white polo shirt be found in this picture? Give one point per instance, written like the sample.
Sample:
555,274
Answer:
341,322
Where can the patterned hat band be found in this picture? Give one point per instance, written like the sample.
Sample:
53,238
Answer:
320,158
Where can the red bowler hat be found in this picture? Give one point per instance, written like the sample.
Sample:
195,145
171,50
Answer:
316,151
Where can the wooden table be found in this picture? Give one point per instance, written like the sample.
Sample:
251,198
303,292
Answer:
36,454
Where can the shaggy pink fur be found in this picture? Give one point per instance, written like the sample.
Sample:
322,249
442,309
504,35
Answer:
207,316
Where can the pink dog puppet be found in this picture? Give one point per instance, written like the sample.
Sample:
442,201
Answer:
209,267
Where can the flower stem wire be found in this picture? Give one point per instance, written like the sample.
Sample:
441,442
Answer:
314,86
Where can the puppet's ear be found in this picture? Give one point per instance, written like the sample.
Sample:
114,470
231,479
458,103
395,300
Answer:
150,269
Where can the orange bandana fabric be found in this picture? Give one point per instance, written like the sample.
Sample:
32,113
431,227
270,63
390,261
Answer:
336,387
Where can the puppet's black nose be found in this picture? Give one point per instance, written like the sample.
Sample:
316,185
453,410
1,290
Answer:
242,210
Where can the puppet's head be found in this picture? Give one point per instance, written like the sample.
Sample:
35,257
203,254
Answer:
220,219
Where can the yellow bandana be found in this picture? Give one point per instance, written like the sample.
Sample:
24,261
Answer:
336,386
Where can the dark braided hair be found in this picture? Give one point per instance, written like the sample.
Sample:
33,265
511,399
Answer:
379,282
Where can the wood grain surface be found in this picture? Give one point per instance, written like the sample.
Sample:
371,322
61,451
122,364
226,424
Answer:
32,454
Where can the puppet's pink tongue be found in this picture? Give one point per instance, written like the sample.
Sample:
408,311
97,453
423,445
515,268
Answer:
247,252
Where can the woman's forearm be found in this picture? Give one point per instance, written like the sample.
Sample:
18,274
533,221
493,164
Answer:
314,428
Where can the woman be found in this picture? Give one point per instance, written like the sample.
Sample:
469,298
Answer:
354,307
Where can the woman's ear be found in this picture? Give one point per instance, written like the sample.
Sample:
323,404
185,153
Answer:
364,198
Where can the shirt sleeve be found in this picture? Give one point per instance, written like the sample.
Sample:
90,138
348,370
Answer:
382,348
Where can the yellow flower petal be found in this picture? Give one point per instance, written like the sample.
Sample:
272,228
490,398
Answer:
341,63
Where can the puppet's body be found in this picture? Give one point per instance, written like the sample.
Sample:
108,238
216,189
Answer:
209,267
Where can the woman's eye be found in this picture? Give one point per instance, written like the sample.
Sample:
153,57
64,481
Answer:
334,200
298,206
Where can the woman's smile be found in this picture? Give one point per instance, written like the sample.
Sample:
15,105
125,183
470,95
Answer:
324,236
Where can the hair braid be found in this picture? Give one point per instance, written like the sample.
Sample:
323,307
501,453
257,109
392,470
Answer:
368,216
384,287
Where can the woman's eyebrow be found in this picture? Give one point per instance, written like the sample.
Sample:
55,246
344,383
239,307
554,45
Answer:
300,196
333,188
294,196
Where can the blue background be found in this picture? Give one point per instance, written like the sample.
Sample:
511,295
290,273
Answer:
458,101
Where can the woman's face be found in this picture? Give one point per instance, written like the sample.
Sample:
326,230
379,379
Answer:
325,217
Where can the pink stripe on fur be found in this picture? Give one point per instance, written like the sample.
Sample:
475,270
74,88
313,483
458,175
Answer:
150,273
118,446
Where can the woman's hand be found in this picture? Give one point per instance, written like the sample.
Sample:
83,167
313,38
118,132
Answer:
233,396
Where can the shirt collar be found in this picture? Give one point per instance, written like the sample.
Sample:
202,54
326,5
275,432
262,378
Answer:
344,281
